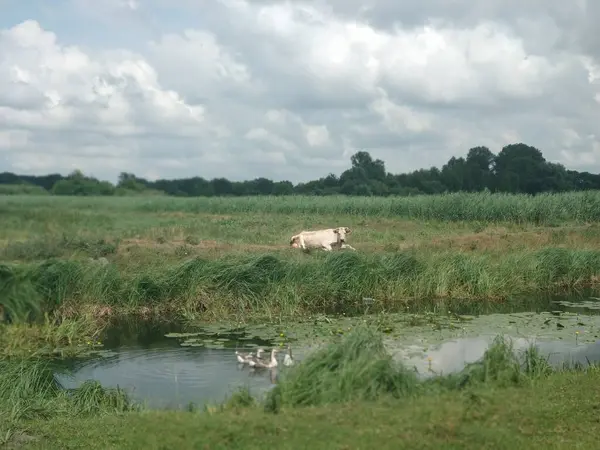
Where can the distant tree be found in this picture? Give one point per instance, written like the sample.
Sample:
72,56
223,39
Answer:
516,168
479,169
78,184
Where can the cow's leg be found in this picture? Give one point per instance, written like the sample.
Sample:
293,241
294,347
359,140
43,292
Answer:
348,246
302,243
326,247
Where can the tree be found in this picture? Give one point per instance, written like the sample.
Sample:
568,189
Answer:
478,169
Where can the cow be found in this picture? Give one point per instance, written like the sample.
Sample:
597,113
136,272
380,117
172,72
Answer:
325,239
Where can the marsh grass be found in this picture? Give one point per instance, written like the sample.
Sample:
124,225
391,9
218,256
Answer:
269,286
45,248
22,189
29,390
483,207
51,338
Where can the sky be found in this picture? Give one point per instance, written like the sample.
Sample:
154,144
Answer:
291,89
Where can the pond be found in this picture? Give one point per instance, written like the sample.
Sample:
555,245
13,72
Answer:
164,365
161,373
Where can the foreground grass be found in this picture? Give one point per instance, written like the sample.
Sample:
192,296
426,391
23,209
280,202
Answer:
349,394
558,413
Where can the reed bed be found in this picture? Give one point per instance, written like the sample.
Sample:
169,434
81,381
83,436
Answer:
485,207
267,286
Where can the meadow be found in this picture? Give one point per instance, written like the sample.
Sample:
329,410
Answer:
68,265
229,258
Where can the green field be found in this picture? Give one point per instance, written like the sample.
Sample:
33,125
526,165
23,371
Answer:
69,265
230,257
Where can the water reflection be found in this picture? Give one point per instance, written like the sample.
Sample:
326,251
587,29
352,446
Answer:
453,355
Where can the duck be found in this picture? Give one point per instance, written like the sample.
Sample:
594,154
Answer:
288,360
245,358
261,364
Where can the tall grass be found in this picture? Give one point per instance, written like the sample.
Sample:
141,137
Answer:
484,207
271,286
358,368
29,389
22,189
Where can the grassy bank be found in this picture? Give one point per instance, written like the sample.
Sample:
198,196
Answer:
556,414
349,394
29,391
268,286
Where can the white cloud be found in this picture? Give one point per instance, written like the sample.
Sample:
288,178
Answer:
292,89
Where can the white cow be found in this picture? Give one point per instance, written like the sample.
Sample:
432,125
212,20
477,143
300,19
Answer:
325,239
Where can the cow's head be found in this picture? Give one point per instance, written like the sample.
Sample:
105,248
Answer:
342,232
295,240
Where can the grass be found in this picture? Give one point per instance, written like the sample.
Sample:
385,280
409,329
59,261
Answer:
349,394
29,391
485,207
272,287
22,189
51,338
140,231
68,263
558,414
229,258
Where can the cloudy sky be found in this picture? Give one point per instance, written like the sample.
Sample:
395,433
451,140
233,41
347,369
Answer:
291,89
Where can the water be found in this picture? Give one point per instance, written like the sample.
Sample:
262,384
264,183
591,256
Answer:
161,373
452,355
559,347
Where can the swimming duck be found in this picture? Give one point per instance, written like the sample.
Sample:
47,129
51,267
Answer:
245,358
288,360
261,364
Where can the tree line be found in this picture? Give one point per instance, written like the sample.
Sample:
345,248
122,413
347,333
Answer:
517,168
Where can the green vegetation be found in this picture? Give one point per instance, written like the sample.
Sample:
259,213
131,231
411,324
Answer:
29,391
542,209
218,259
71,261
22,189
267,286
349,394
517,168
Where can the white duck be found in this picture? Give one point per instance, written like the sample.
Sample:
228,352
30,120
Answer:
245,358
288,360
261,364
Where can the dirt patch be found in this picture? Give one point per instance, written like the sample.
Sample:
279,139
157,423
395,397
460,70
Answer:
385,225
181,215
201,245
19,439
500,238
